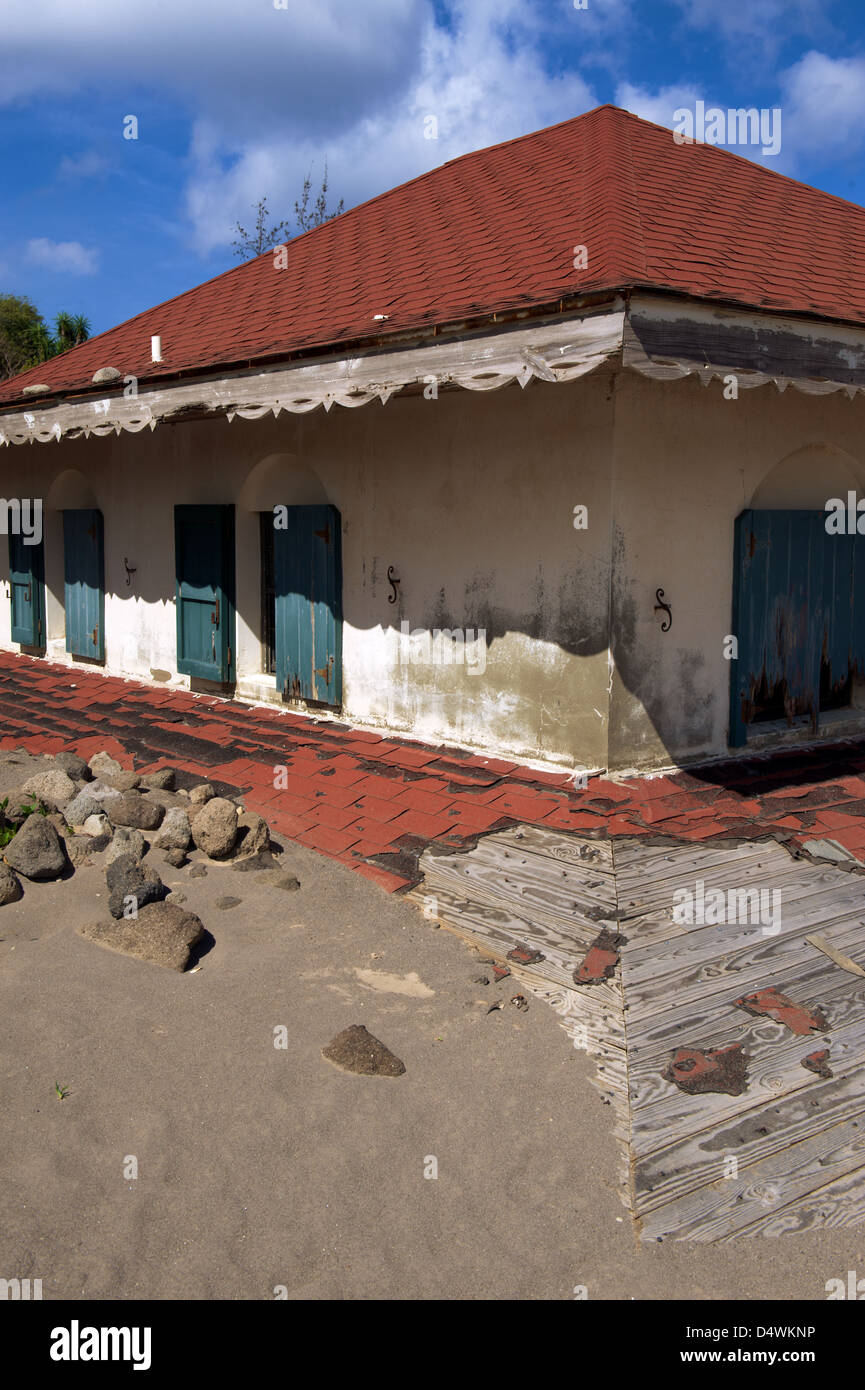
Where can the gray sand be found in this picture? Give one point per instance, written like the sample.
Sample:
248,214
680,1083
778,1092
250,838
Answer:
261,1167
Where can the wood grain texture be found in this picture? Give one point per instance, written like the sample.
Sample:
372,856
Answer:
798,1139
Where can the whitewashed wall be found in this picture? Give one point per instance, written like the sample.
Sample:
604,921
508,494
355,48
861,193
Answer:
686,463
469,497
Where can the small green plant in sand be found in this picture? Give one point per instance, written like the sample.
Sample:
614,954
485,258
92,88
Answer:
60,1091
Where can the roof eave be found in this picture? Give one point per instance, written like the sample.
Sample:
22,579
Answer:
379,343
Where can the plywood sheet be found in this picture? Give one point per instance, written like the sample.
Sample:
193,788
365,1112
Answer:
798,1139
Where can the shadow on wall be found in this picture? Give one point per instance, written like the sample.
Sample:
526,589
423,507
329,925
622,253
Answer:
70,491
500,559
454,580
671,683
139,561
807,478
569,615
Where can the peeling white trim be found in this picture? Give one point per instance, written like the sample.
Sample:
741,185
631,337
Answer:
561,351
847,342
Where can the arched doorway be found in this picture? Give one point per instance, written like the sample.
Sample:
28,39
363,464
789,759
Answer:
299,542
72,498
799,595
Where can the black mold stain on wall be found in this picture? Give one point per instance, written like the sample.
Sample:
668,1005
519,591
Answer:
573,617
656,673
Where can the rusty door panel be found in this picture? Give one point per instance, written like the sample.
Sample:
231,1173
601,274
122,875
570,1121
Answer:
841,642
794,608
27,591
84,588
308,605
204,586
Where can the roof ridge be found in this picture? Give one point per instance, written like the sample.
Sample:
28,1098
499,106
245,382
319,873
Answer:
628,176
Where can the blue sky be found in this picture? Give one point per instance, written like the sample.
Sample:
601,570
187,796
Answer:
236,99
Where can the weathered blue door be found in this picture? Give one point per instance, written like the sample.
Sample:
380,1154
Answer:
798,614
84,563
307,567
204,560
27,591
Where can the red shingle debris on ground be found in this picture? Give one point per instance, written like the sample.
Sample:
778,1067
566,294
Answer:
524,955
340,791
819,1062
784,1010
723,1069
600,960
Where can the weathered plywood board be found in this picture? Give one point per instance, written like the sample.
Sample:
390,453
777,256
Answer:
749,1137
662,1115
798,1139
736,1203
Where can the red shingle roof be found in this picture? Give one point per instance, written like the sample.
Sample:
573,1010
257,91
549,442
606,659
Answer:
495,230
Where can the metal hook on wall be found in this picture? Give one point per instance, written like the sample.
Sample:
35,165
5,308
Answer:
662,607
130,570
392,598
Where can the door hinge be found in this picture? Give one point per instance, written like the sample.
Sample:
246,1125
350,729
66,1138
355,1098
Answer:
94,636
326,672
38,627
325,534
229,658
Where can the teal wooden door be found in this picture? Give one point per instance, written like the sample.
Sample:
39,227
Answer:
84,565
798,614
27,591
307,569
204,560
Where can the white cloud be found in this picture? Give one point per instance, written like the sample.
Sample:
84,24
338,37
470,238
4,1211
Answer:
483,80
824,106
241,63
85,166
756,27
659,106
69,257
268,92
